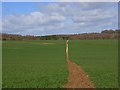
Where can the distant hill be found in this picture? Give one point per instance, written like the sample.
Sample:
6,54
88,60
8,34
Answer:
105,34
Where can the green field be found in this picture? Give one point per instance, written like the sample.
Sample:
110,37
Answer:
99,58
0,64
43,63
34,64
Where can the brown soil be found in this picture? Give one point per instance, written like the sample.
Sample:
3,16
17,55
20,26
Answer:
77,76
48,43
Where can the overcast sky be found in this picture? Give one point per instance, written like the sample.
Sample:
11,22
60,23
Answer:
45,18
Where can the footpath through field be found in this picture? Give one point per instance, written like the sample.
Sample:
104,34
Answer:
77,76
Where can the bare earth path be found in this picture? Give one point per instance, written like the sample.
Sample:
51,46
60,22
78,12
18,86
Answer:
77,76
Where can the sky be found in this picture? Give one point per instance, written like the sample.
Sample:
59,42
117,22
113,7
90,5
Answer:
50,18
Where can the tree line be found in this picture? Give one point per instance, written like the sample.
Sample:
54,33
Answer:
105,34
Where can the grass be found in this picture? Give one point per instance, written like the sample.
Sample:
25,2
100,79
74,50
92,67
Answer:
34,64
0,64
99,58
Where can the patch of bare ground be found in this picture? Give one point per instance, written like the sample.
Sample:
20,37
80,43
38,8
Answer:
48,43
77,77
45,43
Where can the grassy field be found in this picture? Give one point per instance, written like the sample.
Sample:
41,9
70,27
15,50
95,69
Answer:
34,64
43,63
0,64
99,58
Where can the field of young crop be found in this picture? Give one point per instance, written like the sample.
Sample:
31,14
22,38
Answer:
0,64
32,64
99,58
43,63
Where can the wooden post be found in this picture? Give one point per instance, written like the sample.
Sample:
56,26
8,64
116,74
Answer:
67,56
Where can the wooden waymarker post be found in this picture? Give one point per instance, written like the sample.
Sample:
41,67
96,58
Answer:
67,56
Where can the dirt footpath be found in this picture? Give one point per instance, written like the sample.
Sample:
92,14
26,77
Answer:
77,76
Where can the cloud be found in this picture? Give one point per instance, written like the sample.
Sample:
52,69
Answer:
94,16
63,18
31,21
60,1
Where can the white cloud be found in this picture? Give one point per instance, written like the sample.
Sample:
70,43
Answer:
56,18
32,20
60,0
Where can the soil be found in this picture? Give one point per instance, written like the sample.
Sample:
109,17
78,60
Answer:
78,78
48,43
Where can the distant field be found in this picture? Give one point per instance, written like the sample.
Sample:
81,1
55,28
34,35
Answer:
34,64
99,58
43,63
